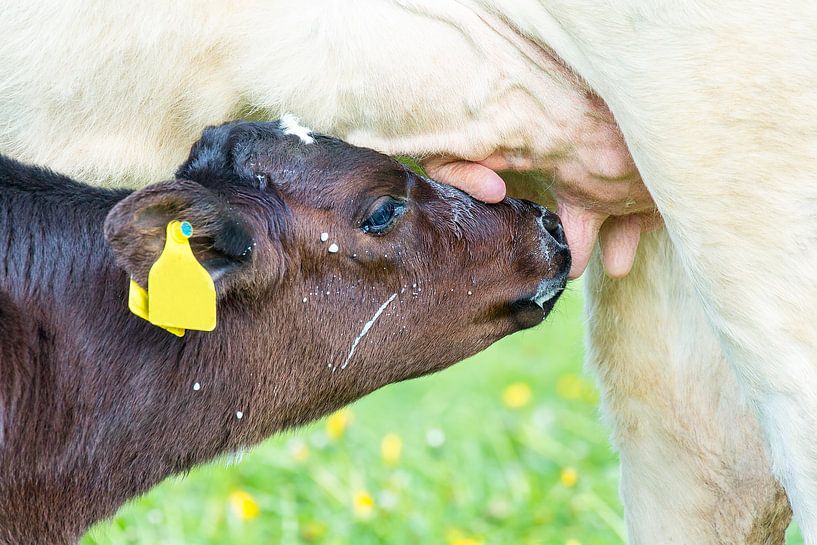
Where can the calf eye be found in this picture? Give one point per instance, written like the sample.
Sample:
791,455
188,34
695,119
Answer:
385,212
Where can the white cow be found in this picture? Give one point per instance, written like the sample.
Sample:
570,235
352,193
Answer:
705,352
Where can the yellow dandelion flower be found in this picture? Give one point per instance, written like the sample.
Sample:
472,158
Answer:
570,386
569,477
337,423
572,541
465,540
363,504
390,448
456,537
517,395
244,505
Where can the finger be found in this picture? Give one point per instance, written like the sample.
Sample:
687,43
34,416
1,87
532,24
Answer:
618,238
499,161
478,181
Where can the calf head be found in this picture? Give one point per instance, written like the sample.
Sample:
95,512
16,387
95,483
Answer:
338,269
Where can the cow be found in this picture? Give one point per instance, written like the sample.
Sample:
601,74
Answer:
337,271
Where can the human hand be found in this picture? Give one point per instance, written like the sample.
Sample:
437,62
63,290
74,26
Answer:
591,208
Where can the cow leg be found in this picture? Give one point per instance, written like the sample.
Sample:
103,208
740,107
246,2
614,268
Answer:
693,464
717,104
758,289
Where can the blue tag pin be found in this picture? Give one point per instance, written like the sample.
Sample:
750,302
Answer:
187,229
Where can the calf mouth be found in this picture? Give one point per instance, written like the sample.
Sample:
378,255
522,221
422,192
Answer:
533,307
531,310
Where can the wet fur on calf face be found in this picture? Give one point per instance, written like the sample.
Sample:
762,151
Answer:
97,405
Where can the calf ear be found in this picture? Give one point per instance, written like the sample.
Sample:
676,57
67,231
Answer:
136,229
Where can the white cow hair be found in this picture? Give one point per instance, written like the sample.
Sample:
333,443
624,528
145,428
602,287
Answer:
125,109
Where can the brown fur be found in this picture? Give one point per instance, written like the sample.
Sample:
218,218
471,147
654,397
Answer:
97,405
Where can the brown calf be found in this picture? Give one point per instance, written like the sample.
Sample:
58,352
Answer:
337,271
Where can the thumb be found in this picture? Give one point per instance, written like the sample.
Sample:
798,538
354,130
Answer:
478,181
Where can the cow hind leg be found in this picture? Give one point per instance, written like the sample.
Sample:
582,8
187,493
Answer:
693,464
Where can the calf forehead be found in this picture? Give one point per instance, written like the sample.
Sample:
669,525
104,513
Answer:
330,173
311,167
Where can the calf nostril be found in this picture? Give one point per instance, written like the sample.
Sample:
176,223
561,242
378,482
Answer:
552,224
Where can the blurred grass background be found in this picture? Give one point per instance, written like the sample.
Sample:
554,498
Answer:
503,449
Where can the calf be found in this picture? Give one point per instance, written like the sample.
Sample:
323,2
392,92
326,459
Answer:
337,270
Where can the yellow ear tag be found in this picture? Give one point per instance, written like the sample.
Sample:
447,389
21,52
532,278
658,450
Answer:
181,293
138,304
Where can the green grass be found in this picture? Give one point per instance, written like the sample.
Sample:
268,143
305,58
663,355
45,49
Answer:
501,476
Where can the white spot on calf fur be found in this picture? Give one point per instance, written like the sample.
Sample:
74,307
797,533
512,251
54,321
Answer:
196,386
292,125
333,248
324,237
239,415
366,327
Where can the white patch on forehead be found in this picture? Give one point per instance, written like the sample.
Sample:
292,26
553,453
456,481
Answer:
366,327
292,125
